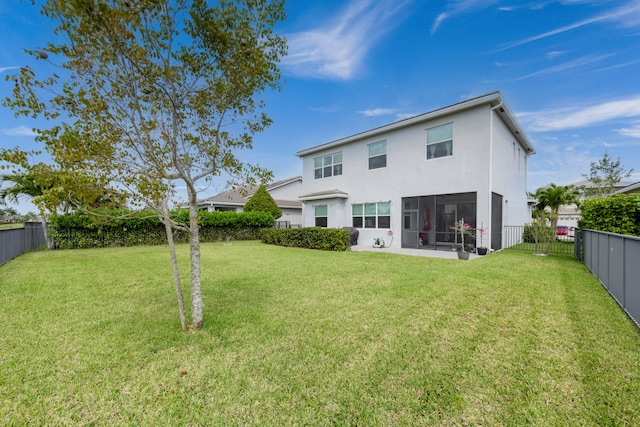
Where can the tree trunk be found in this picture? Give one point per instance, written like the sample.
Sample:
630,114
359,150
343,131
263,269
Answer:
554,218
43,221
194,243
174,266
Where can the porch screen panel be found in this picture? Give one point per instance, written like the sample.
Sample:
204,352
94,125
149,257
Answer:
496,221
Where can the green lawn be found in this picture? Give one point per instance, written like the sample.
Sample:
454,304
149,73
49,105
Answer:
299,337
11,225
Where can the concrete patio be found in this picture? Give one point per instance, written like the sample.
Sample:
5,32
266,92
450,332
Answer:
409,251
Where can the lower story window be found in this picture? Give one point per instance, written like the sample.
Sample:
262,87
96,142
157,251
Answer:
321,216
371,215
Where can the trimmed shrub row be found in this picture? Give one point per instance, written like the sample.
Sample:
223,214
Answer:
80,230
326,239
616,214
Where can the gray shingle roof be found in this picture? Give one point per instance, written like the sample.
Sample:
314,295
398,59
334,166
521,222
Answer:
241,195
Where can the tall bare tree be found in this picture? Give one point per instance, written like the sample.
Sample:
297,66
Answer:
152,93
604,175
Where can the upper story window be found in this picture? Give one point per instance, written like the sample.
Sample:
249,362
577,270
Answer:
329,165
440,141
378,155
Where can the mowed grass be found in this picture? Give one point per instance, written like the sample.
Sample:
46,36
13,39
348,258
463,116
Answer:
299,337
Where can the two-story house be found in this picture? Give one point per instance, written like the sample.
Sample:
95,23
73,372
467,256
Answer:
410,181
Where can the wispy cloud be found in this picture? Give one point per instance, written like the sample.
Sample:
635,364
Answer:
3,69
633,131
459,7
377,112
578,116
19,131
627,16
555,54
337,50
566,66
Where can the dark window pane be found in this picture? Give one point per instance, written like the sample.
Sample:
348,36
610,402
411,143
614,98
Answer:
337,169
357,221
370,222
327,171
318,173
321,221
378,162
384,222
441,149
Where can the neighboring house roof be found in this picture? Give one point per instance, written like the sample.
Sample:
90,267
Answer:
629,189
494,99
241,195
588,184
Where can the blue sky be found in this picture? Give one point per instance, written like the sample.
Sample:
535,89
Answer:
570,71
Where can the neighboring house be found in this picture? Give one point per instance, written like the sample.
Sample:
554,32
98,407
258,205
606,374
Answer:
408,182
286,194
630,189
569,215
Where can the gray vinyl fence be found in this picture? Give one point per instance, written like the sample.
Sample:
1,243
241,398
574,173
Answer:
16,241
615,260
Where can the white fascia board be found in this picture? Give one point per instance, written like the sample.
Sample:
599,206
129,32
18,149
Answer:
324,197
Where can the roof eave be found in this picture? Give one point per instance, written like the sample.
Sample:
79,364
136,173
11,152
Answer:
309,197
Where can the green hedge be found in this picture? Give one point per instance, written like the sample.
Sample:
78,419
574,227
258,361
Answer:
127,228
616,214
326,239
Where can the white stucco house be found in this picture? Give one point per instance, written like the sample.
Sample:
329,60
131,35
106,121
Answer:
285,192
408,182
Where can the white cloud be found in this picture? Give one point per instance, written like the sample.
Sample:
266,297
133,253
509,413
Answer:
458,7
377,112
578,116
3,69
337,50
19,131
633,131
627,16
566,66
555,53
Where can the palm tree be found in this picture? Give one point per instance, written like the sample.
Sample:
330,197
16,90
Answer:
9,215
553,196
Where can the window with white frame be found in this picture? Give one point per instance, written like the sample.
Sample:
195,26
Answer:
440,141
321,216
371,215
328,165
378,155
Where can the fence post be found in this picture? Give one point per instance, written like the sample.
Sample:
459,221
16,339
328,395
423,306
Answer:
577,244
